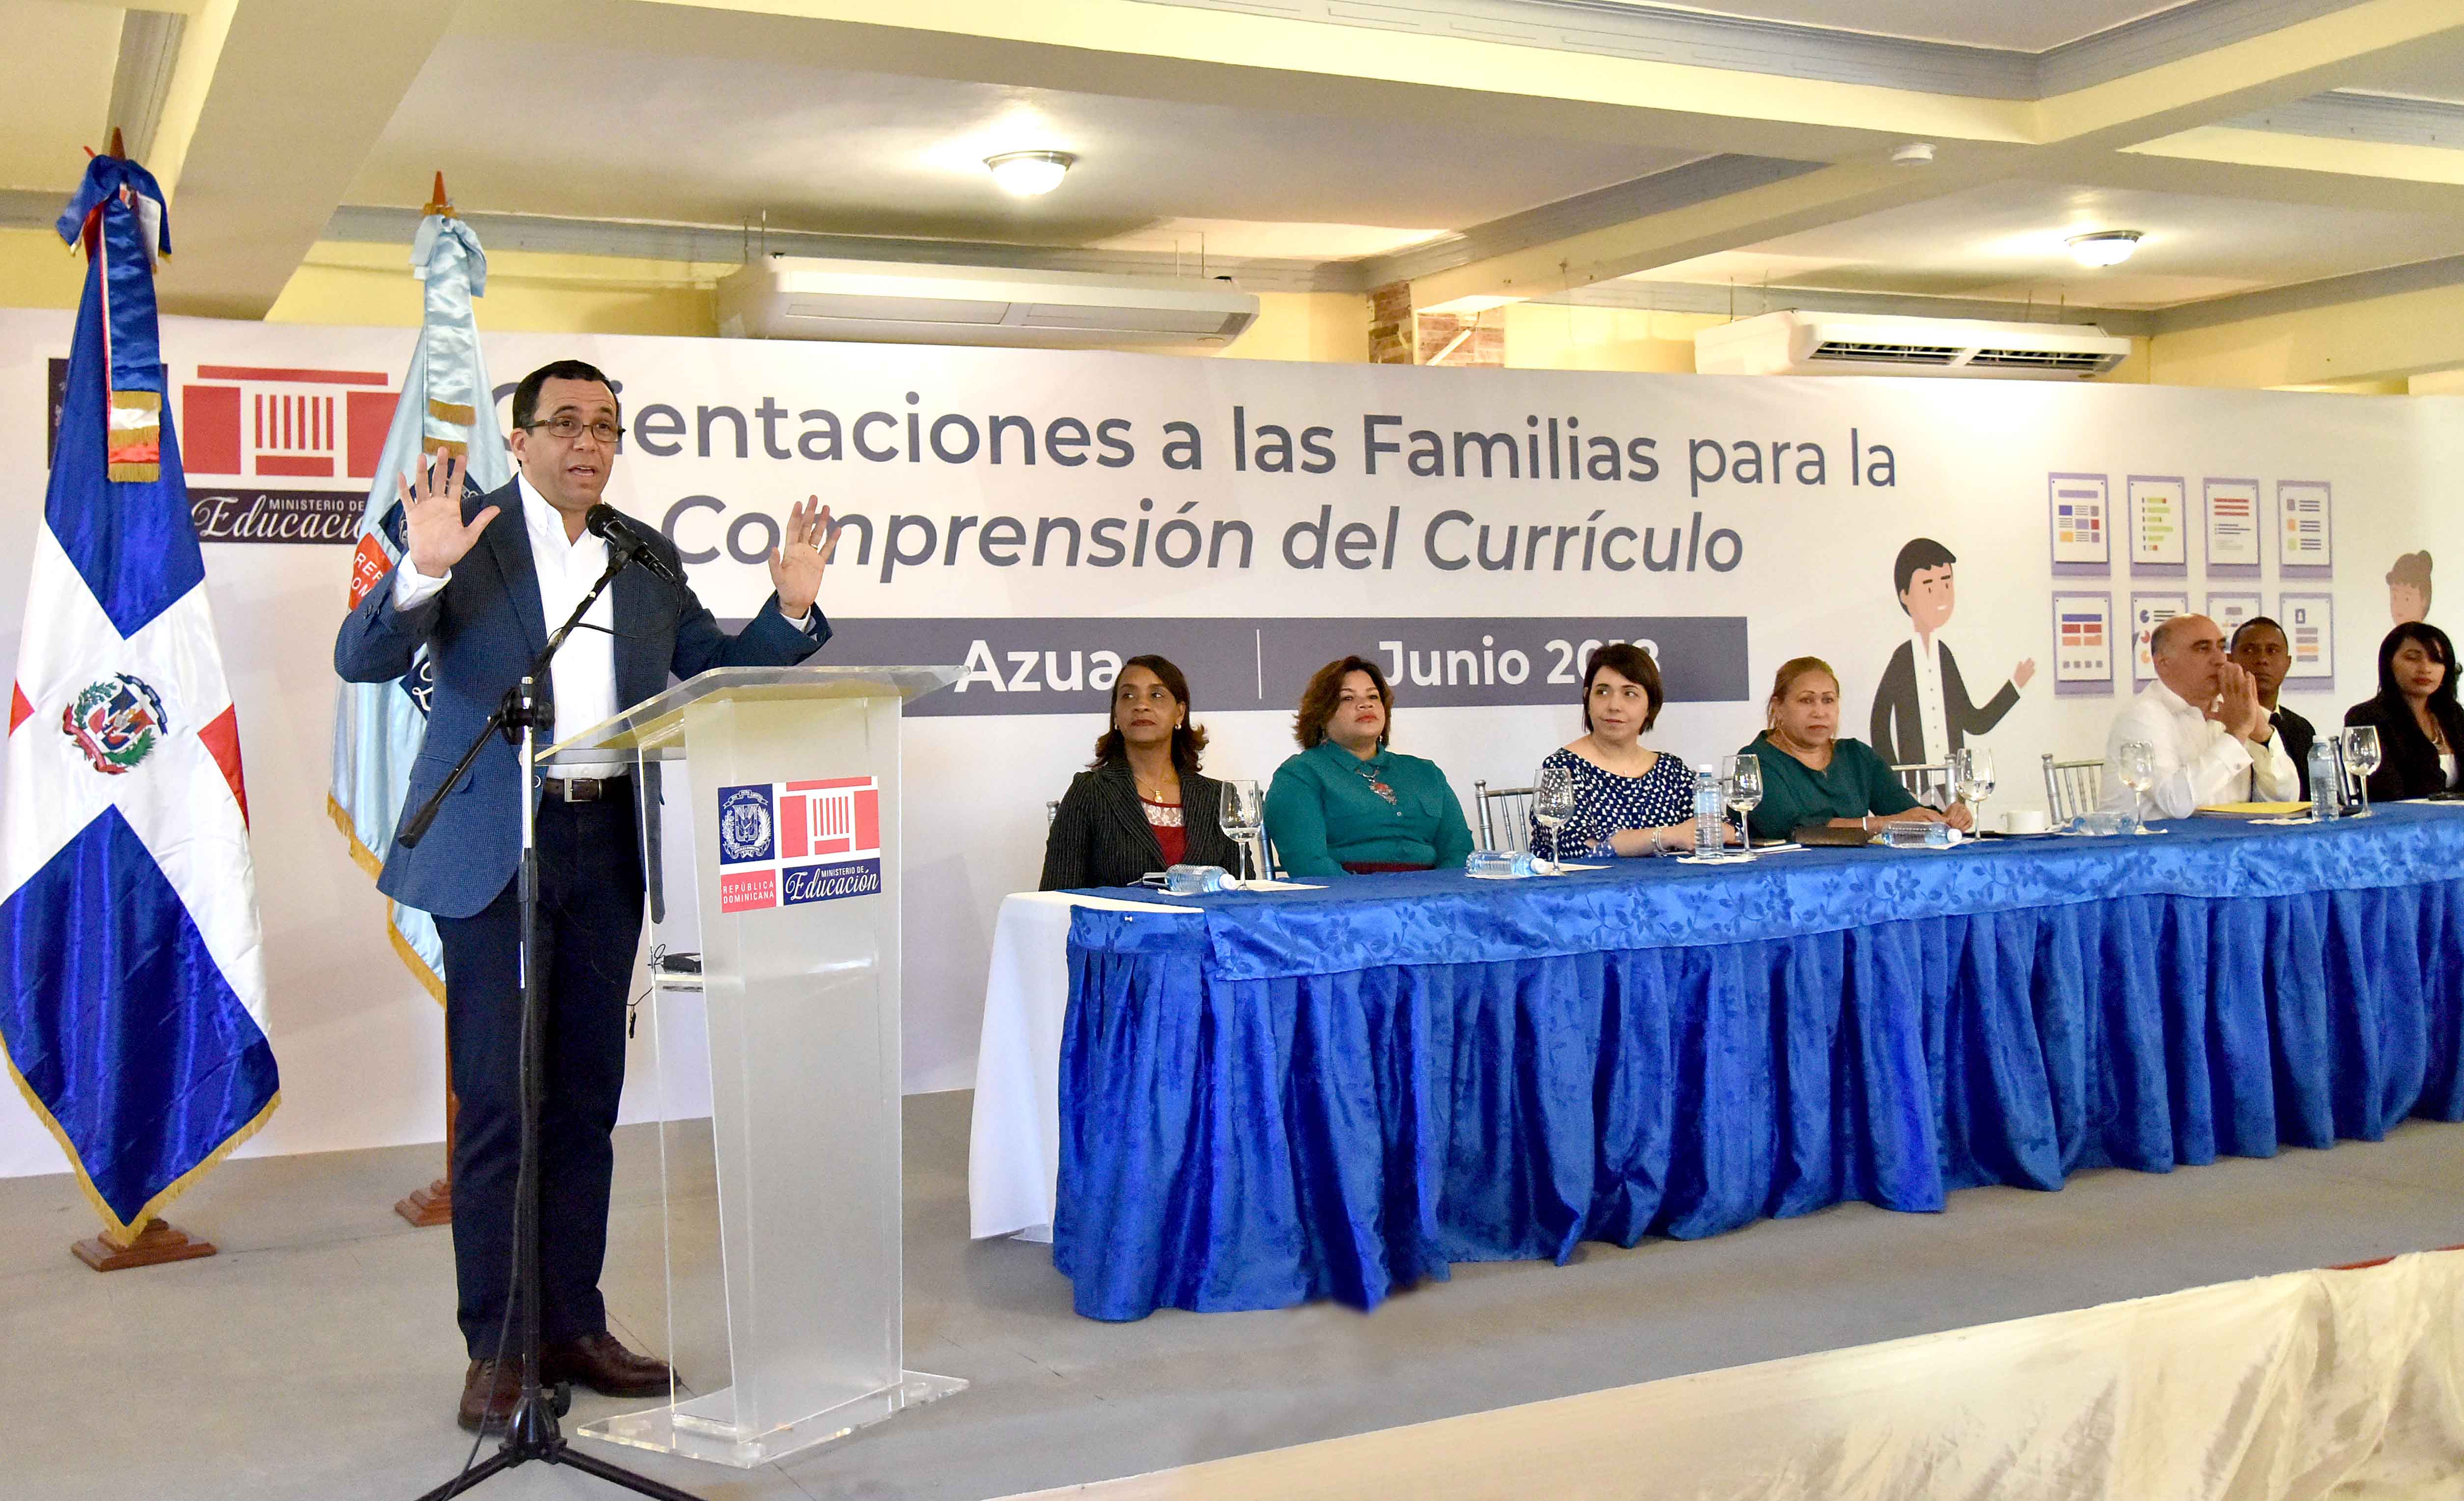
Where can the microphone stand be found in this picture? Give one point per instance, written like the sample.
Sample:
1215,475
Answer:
531,1433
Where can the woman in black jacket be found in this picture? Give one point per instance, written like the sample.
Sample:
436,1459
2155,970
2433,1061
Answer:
1141,806
2420,730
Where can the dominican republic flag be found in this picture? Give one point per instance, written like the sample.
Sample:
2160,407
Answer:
132,985
445,408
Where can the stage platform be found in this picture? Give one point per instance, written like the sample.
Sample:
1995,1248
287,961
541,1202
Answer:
316,1359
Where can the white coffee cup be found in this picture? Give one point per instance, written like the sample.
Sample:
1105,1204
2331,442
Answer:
2024,821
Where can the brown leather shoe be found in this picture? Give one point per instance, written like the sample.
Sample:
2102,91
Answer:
600,1363
490,1389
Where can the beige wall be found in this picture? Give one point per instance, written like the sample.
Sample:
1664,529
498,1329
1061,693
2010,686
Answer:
1551,336
1321,327
37,271
528,292
2382,339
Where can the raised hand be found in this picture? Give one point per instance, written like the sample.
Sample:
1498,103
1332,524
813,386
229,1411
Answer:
434,530
804,552
2238,709
2019,675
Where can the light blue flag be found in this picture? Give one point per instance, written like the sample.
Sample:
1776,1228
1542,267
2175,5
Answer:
446,406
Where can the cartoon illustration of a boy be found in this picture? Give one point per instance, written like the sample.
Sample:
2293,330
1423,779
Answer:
2409,589
1922,712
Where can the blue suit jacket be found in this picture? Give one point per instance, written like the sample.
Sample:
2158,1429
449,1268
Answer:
482,630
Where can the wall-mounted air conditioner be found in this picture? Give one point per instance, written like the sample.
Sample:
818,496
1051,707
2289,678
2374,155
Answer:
781,297
1865,343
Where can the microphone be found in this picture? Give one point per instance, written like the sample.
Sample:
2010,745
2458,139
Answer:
604,520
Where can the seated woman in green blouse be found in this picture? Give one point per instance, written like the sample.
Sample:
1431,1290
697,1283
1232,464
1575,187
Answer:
1810,776
1347,802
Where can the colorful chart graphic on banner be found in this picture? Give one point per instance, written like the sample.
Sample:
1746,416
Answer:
2304,528
2147,611
2233,526
2310,633
2083,524
783,843
2083,644
2157,544
2229,609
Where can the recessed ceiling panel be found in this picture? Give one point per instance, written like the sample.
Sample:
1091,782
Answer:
1976,23
54,90
562,127
2005,241
2432,72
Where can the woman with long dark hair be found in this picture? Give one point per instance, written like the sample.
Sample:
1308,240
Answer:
1141,805
2420,728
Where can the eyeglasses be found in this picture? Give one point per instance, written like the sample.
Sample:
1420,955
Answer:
567,429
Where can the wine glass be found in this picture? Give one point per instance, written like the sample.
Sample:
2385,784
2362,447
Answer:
1552,802
1741,779
2135,763
2362,754
1245,818
1972,774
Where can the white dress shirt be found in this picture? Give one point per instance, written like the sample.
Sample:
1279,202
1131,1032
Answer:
582,679
1931,720
2198,760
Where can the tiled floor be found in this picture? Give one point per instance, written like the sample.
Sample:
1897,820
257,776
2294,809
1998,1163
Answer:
316,1357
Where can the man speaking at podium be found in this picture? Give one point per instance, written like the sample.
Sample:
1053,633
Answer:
482,581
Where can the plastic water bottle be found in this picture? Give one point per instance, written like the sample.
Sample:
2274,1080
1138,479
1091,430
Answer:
1710,815
2324,776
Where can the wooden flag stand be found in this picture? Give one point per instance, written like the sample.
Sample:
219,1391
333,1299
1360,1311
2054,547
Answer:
431,1207
434,1205
154,1244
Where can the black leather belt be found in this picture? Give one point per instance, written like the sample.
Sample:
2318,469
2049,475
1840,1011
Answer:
585,790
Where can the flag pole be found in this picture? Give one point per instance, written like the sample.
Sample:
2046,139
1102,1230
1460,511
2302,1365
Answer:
431,1207
155,1242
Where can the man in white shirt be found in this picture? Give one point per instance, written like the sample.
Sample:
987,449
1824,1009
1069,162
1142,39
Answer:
480,590
2211,738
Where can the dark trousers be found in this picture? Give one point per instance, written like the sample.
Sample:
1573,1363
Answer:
589,922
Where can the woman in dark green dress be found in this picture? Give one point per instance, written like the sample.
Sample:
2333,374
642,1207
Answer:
1810,776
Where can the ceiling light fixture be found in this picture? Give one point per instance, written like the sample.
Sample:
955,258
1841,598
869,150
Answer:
2104,248
1029,174
1916,153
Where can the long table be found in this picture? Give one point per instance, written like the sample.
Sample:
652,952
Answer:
1282,1096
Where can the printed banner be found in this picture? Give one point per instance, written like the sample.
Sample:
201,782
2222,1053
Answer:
1036,518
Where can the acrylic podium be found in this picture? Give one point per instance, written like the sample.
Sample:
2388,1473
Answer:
787,890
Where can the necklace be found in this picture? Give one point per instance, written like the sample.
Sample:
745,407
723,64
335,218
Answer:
1376,783
1169,782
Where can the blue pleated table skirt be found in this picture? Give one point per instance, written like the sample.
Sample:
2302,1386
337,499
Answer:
1334,1094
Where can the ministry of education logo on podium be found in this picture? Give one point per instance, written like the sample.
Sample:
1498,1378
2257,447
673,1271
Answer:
783,843
746,825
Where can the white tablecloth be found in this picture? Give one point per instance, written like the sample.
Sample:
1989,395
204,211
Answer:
1014,1157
